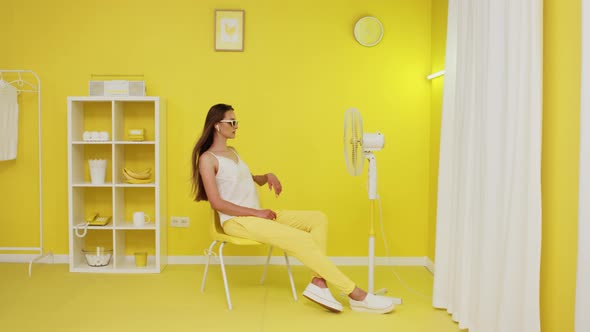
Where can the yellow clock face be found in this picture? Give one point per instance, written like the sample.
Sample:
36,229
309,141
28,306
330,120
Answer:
368,31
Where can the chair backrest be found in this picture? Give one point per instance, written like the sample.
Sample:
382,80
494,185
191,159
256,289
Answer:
215,228
218,234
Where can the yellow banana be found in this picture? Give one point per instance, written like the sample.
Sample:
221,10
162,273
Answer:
128,177
141,175
136,181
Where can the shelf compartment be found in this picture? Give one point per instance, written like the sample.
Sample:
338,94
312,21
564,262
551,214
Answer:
134,115
92,239
128,242
89,200
131,199
90,116
136,157
82,153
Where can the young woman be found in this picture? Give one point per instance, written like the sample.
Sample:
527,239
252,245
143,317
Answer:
222,178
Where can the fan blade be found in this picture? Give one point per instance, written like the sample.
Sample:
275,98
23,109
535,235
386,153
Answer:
353,135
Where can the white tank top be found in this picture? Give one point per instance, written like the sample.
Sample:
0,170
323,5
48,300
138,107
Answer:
235,184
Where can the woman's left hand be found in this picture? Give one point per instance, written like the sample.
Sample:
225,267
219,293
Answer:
274,183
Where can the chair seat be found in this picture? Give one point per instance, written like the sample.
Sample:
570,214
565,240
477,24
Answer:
235,240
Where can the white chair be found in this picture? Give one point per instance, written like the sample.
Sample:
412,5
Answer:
219,235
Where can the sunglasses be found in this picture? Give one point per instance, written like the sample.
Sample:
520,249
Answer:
233,123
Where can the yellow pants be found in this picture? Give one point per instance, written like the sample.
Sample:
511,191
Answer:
301,233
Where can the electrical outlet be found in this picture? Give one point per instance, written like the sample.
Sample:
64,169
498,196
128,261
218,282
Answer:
179,221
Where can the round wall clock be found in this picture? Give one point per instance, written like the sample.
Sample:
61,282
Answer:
368,31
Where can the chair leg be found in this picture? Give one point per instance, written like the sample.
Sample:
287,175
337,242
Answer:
290,277
224,276
207,265
266,266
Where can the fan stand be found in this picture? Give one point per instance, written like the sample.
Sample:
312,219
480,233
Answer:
373,196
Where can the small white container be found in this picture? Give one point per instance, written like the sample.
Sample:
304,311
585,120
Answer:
98,170
98,256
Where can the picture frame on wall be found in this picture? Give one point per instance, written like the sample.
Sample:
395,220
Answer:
229,30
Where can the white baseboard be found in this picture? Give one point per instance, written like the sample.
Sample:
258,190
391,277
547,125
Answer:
27,258
242,260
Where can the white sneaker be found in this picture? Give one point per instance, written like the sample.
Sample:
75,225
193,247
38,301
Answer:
323,297
373,303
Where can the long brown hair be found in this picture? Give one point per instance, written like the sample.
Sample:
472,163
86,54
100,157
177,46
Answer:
216,113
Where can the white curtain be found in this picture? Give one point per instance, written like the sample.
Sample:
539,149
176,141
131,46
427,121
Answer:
488,238
582,320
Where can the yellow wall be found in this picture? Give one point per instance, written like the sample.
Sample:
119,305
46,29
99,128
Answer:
301,69
439,38
561,136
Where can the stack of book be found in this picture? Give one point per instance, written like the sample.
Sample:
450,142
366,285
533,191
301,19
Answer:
136,134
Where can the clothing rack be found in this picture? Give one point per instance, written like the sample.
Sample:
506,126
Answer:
27,87
435,75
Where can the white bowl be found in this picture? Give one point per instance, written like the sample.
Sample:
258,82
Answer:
98,256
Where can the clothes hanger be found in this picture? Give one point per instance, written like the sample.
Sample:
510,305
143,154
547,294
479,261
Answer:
20,83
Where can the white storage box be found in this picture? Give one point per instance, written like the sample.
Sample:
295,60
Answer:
117,88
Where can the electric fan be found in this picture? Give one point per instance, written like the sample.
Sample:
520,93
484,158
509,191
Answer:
359,146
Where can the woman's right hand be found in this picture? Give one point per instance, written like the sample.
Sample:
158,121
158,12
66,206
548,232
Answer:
266,214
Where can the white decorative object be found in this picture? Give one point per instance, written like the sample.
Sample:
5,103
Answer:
98,170
368,31
117,88
95,136
98,257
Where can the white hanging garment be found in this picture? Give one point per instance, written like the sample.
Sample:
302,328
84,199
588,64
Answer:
8,121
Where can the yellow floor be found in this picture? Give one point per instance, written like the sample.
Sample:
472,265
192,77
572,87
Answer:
54,299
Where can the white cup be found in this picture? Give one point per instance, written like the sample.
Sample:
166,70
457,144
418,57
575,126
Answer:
140,218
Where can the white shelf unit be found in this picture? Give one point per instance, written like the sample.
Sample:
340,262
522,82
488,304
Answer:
116,198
